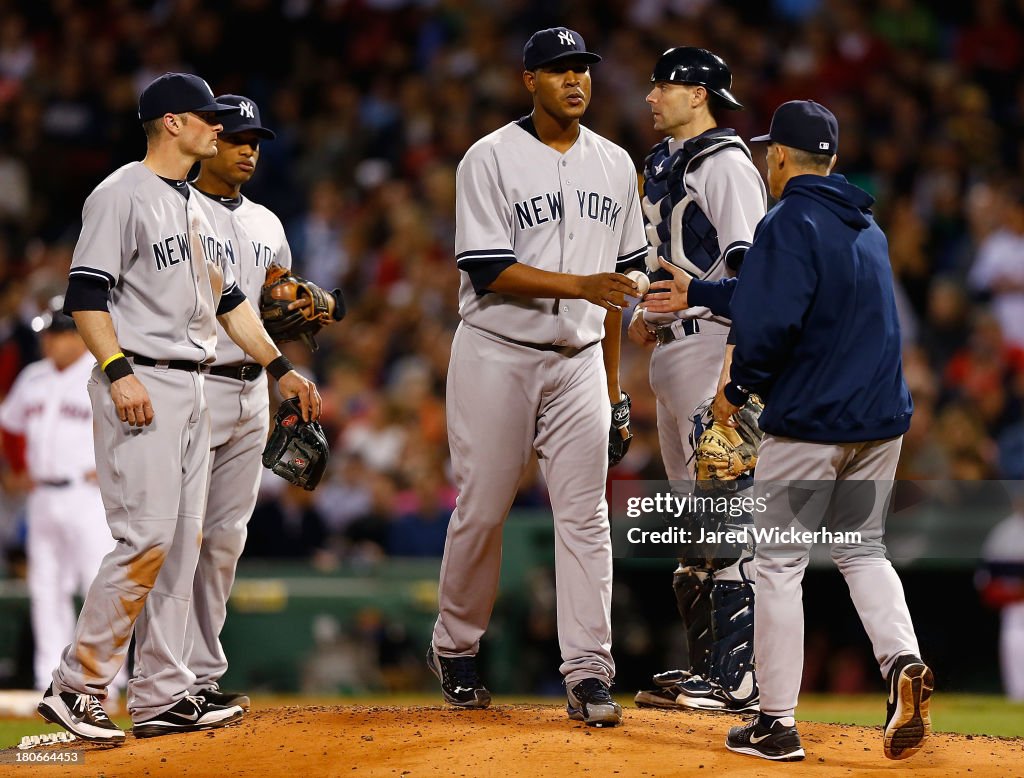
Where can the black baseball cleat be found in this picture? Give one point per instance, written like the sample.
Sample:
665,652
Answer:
907,720
666,693
591,703
80,714
460,682
190,714
665,698
780,742
700,694
216,696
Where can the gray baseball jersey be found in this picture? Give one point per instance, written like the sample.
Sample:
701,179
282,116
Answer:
239,418
161,299
152,244
698,211
526,375
575,213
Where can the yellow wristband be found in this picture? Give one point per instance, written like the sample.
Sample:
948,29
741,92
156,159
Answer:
118,355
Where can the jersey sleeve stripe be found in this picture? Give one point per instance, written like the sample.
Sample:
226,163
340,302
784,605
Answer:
484,255
632,256
739,245
93,273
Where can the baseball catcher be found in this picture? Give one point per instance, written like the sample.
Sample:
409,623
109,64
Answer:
285,322
297,450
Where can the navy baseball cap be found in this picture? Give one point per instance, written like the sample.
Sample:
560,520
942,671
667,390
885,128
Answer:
805,125
178,93
246,120
553,44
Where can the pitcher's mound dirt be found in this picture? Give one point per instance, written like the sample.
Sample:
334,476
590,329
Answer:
523,741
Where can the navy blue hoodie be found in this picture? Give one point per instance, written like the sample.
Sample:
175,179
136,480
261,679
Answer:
814,319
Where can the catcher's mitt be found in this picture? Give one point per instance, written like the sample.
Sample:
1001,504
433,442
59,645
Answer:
280,289
297,450
618,445
725,453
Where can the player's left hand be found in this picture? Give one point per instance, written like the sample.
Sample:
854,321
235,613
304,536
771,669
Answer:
305,304
669,296
294,385
722,410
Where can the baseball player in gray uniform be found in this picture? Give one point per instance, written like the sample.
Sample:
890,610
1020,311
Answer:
545,212
146,292
236,392
703,197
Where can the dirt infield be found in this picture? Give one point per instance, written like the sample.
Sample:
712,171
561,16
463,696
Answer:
532,740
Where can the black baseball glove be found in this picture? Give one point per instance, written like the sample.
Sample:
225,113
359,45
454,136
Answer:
297,450
280,289
618,445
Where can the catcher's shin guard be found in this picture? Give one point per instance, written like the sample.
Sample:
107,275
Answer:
732,653
692,588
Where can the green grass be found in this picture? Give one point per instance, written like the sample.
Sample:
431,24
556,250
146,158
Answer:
962,713
969,714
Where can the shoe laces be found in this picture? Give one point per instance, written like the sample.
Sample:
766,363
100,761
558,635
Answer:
591,690
460,672
91,704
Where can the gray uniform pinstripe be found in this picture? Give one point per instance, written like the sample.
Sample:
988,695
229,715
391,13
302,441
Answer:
579,213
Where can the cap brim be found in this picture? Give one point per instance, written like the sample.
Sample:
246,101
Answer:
218,108
255,129
761,138
586,56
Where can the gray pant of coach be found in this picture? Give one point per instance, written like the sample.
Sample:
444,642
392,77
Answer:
875,588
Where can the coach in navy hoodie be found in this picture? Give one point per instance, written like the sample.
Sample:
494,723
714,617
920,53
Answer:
817,336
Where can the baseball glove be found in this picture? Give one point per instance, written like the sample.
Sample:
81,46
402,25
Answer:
297,450
280,289
618,445
725,453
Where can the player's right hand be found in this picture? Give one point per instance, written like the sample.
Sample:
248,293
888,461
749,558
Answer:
669,296
607,290
638,332
294,385
132,401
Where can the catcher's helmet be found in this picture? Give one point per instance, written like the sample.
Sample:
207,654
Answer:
690,65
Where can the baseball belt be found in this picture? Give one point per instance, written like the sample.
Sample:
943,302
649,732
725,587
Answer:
170,364
246,372
677,330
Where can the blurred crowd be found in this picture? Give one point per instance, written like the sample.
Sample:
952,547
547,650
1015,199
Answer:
375,101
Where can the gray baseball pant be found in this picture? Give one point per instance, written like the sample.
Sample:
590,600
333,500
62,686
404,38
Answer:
153,482
875,587
239,421
505,401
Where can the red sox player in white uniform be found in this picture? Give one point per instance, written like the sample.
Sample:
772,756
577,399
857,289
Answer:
546,210
48,407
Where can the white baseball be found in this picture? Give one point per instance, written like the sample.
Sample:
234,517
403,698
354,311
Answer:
641,280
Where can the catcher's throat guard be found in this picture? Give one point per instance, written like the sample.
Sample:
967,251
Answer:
297,450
